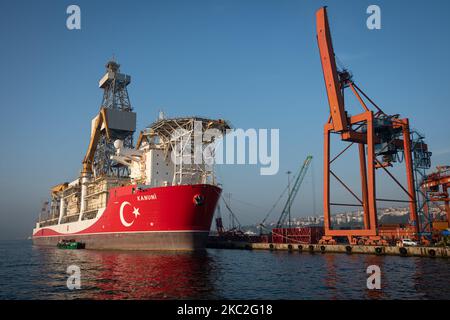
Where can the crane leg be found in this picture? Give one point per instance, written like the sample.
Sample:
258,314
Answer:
362,165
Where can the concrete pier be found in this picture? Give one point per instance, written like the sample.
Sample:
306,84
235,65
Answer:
432,252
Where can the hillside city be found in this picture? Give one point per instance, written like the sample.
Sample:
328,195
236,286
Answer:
391,215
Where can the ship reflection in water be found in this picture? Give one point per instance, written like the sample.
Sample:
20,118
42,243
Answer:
151,276
28,272
139,275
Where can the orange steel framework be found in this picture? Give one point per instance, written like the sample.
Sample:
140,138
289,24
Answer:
381,139
436,186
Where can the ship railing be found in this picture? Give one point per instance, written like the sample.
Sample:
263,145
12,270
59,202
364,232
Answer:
49,222
90,214
69,193
70,218
72,209
89,195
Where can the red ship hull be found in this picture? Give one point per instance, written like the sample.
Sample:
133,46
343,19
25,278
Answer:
163,218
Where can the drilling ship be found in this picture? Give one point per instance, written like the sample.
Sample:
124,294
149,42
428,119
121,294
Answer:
150,195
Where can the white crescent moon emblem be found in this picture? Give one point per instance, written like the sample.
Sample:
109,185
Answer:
122,219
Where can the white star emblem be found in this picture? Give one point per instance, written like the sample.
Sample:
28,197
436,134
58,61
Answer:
136,212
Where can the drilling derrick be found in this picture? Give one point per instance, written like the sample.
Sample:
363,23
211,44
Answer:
115,121
114,84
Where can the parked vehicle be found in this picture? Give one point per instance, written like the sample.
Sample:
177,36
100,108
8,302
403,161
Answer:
407,243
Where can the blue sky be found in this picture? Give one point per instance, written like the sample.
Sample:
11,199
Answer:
253,62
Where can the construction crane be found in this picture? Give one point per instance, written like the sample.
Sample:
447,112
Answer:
293,193
382,141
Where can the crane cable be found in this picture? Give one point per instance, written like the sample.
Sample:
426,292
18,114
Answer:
231,211
274,206
247,203
276,203
251,204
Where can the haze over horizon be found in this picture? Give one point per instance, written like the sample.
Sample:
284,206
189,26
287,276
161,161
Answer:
254,63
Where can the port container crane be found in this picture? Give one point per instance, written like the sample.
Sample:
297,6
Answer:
382,141
436,186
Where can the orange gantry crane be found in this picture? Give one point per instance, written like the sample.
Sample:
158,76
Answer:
436,186
382,140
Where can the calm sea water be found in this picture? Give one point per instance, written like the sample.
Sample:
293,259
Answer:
29,272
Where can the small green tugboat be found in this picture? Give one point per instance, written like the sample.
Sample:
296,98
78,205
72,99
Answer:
70,244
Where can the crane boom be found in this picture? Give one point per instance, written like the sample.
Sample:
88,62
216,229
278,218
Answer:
297,183
99,121
330,72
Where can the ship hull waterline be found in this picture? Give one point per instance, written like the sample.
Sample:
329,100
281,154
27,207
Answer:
180,240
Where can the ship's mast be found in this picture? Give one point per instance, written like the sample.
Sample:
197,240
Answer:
115,97
114,84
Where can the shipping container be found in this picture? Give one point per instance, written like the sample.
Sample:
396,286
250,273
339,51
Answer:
303,235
